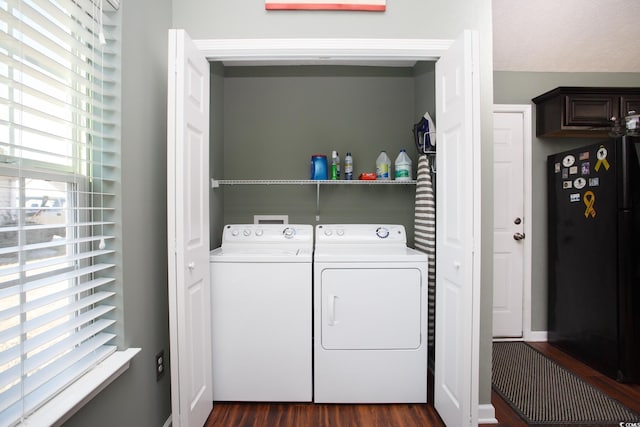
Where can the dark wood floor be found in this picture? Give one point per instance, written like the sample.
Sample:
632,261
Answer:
321,415
398,415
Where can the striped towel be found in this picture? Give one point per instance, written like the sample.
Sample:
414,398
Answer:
425,236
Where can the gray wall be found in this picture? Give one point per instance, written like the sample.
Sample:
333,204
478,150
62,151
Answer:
213,19
430,19
520,88
275,118
135,398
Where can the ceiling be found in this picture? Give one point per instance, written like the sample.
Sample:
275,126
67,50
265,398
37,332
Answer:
566,35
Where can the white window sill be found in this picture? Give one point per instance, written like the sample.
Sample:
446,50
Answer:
64,405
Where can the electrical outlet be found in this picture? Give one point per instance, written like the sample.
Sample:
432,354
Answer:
160,365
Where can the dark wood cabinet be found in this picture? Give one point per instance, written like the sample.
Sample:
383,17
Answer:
629,103
583,111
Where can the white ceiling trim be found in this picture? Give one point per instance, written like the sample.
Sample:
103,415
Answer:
384,52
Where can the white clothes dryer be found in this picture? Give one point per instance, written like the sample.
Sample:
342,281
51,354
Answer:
261,299
370,316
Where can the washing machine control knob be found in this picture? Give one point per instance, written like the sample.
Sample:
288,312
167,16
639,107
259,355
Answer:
289,233
382,232
327,232
340,232
259,232
247,232
234,232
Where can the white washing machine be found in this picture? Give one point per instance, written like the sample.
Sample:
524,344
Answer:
370,316
261,299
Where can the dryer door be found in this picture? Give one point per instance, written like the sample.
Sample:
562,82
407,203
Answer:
371,308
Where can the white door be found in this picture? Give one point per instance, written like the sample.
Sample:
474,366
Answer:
508,223
458,233
188,232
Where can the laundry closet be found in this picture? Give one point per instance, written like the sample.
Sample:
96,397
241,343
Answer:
271,120
228,124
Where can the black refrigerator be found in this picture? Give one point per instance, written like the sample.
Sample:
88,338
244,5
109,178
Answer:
594,255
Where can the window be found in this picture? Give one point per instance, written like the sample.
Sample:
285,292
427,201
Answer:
58,154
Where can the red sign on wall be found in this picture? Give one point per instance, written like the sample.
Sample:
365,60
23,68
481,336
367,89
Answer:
365,5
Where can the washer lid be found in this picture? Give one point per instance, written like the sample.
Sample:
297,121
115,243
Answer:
267,236
265,243
258,255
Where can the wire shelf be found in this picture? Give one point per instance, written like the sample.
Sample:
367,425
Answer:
216,183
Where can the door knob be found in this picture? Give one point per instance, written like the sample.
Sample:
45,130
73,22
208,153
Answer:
191,265
518,236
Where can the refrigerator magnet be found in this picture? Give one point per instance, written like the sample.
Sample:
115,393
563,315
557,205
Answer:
568,161
602,159
573,170
557,167
589,200
565,173
567,184
584,155
579,183
594,182
586,168
574,197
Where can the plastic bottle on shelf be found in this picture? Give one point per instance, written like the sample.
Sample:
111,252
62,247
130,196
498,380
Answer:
383,166
319,166
348,166
335,165
403,166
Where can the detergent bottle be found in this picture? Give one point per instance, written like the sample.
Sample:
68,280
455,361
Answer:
403,166
383,166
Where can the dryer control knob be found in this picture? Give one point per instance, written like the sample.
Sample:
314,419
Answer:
289,233
327,232
340,232
259,232
382,232
247,232
234,232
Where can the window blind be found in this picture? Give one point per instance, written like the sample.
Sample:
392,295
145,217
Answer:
58,167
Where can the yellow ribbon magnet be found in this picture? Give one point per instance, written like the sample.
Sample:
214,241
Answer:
602,159
589,200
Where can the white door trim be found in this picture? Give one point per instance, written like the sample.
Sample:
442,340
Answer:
525,110
391,52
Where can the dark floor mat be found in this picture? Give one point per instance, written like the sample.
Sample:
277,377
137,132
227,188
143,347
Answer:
543,392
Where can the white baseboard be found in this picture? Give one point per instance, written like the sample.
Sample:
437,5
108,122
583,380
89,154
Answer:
487,414
167,423
536,336
510,339
533,336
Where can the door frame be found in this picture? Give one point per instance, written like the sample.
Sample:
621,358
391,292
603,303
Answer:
382,52
524,110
